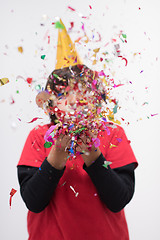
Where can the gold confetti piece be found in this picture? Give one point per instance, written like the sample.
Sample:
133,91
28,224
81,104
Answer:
20,49
112,145
96,50
87,39
94,55
3,81
94,62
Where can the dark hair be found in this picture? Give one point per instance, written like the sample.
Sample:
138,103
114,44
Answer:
59,79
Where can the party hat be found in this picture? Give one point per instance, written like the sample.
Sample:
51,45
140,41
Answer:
66,52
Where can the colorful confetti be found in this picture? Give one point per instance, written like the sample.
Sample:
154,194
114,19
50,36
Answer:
34,119
12,192
4,81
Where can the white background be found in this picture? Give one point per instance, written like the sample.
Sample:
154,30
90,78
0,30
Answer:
21,25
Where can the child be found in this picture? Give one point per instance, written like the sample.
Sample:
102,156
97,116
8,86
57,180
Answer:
82,198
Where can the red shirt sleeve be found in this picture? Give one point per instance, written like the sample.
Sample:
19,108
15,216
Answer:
34,152
116,147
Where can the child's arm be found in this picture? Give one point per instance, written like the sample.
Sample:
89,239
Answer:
115,186
37,185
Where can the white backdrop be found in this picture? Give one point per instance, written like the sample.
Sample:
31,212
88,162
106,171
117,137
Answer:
28,24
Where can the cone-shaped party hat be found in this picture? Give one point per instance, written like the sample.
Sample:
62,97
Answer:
66,52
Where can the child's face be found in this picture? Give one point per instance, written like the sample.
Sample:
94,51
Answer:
72,103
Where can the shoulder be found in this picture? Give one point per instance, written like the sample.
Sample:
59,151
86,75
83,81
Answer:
112,135
39,130
113,129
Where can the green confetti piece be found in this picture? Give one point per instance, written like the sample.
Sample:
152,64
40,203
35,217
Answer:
38,87
47,144
59,25
77,131
106,164
107,60
122,40
17,91
100,115
43,57
115,109
55,75
124,35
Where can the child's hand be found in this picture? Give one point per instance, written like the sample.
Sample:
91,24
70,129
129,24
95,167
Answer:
58,154
85,145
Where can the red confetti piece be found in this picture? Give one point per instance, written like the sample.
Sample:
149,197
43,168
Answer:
48,39
124,59
99,37
12,192
34,119
12,101
90,6
72,9
72,25
29,80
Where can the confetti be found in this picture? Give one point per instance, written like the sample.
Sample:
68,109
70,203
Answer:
72,9
123,58
48,39
34,119
119,139
43,57
72,25
47,144
119,85
76,193
12,192
4,81
115,109
152,115
29,80
96,142
38,87
112,145
106,164
20,49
